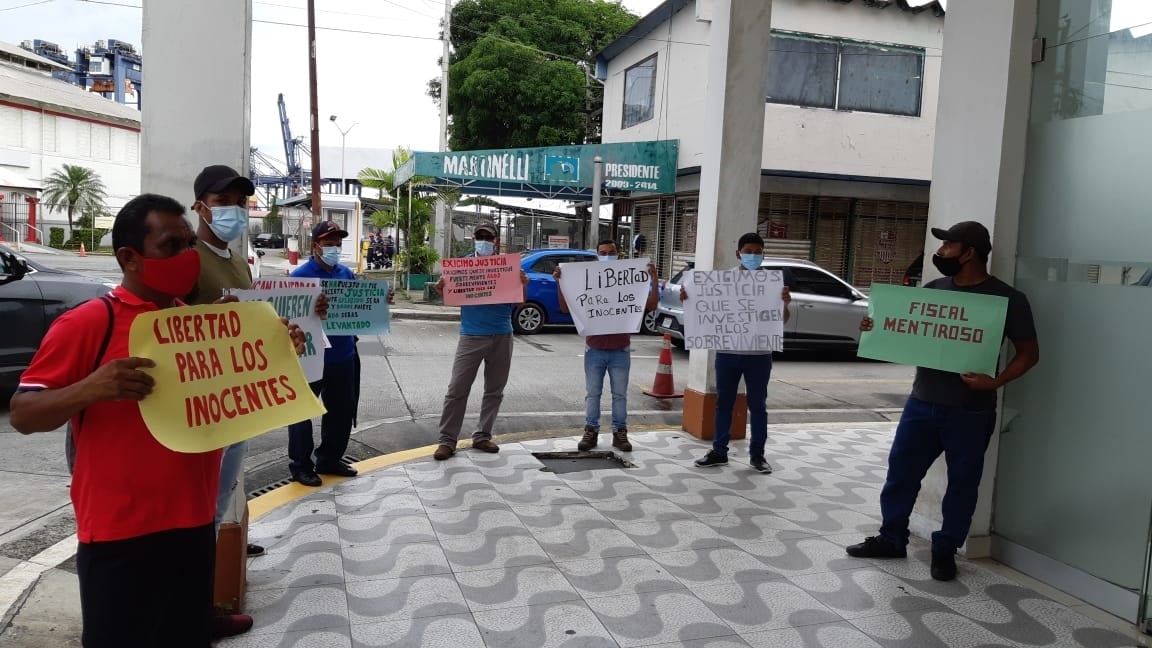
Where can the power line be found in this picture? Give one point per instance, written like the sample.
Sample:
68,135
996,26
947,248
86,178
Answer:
30,4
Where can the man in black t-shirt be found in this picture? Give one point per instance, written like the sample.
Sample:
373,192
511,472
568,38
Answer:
950,413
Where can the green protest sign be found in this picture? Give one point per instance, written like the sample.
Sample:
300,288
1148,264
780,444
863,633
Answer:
939,329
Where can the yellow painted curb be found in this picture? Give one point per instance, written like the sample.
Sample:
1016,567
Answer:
268,502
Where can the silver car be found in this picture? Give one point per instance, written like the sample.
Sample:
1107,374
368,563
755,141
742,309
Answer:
826,310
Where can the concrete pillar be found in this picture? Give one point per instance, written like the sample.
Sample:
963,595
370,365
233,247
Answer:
198,81
978,174
738,50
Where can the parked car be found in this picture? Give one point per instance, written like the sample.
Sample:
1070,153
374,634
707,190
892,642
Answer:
254,260
826,310
542,306
267,240
32,296
915,272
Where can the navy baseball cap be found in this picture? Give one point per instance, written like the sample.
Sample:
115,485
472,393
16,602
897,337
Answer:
327,229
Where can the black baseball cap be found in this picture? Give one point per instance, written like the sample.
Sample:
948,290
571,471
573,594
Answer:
218,177
327,229
970,233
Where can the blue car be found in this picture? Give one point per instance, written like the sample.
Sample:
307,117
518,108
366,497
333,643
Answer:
542,306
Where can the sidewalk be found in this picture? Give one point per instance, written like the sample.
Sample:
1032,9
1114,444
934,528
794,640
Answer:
489,550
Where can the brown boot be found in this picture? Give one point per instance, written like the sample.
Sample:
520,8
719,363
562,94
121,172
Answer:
485,445
620,440
443,452
589,440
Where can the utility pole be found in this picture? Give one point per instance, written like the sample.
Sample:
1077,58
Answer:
314,112
593,232
443,234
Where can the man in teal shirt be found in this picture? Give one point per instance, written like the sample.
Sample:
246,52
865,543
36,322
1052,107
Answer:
485,337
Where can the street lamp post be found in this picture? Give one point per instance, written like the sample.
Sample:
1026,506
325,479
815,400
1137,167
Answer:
343,136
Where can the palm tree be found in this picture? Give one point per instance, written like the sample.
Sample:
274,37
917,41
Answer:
74,187
424,196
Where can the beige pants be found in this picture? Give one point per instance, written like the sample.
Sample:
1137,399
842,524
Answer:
495,351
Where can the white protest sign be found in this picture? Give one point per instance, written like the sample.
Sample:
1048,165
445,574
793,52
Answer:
734,310
295,299
606,297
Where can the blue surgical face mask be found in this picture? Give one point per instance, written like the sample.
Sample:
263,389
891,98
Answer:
485,248
228,222
330,255
607,257
751,261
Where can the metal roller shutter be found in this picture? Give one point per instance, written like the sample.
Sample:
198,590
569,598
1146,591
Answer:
785,223
887,237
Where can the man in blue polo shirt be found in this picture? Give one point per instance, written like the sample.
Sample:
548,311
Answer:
485,336
338,387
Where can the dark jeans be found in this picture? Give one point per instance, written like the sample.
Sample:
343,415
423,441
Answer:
925,431
338,391
757,371
153,591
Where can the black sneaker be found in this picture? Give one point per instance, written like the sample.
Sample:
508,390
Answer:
712,459
943,565
307,478
759,465
339,470
877,547
254,550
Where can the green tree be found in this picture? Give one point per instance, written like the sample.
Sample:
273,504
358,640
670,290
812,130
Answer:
521,71
74,187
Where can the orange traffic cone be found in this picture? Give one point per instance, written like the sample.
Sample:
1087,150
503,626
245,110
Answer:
663,386
82,252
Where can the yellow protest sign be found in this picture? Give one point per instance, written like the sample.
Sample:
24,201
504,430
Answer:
224,373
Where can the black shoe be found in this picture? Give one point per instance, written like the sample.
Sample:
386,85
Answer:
759,465
339,470
254,550
712,459
877,547
307,478
943,564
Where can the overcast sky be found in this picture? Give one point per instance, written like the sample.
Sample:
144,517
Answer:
376,81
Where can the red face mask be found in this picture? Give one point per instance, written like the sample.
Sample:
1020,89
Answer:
174,276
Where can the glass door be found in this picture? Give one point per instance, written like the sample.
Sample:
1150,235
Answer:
1074,485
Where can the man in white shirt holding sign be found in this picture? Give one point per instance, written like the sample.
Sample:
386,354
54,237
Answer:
606,309
735,318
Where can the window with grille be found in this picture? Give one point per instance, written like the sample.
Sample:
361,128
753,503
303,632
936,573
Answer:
820,72
639,92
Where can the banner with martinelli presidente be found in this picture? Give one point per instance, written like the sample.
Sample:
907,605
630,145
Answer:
606,297
224,373
734,310
947,330
648,166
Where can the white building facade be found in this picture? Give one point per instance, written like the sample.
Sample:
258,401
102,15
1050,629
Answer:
849,122
46,123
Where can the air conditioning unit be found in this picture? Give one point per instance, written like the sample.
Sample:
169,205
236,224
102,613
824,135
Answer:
99,67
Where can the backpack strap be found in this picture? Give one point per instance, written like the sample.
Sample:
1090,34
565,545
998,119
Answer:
69,437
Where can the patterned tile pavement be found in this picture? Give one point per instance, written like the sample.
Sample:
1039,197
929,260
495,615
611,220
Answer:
491,551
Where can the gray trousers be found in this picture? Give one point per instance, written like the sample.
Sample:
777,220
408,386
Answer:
495,351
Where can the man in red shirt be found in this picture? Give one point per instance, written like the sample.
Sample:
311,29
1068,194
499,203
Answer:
144,514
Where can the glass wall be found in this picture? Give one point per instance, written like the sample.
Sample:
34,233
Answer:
1074,482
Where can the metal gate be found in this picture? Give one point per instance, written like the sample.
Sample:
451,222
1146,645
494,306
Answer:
13,218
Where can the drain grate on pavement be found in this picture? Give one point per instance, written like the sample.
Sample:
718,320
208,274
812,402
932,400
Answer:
570,462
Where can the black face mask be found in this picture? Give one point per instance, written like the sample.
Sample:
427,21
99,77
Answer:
948,266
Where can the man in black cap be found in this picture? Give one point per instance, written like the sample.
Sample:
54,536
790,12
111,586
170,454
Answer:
221,211
950,413
340,383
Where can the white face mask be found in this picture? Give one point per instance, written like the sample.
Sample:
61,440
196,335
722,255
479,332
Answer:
485,248
606,257
330,255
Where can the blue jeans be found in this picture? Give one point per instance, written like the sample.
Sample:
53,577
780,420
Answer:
616,364
230,466
338,391
926,431
756,371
